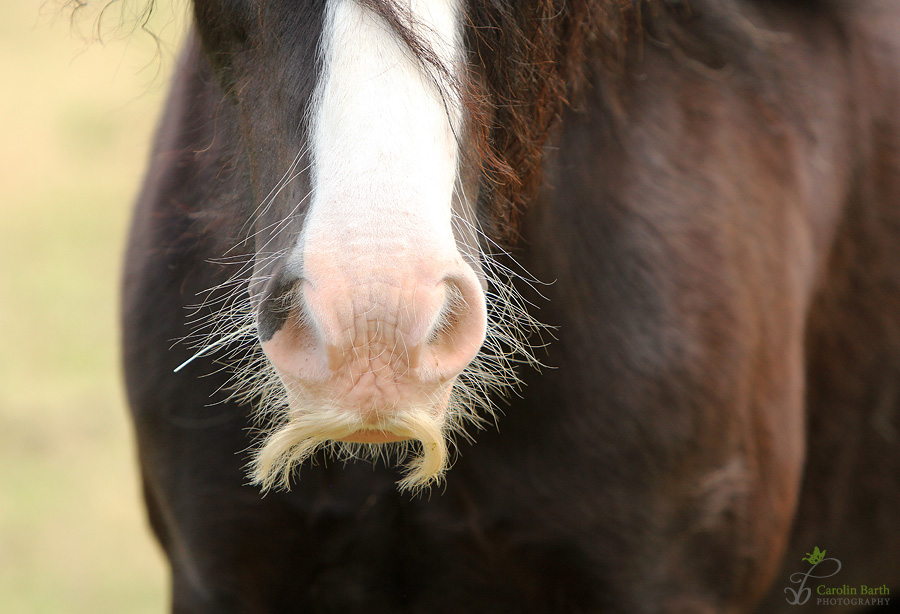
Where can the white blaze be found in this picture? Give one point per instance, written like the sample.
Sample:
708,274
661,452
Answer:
378,255
383,135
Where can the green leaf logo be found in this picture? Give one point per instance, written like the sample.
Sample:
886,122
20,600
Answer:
815,557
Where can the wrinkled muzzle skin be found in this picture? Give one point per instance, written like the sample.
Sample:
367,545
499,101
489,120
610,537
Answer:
367,293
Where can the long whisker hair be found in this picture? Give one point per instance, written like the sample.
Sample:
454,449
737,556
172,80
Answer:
285,436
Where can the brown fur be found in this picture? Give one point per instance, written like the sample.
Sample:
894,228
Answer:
719,211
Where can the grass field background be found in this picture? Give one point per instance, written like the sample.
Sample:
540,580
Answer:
77,119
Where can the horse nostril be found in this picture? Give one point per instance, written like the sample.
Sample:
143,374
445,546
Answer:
452,311
459,328
271,318
281,299
273,313
287,331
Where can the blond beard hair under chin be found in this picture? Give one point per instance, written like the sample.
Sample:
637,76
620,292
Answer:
305,432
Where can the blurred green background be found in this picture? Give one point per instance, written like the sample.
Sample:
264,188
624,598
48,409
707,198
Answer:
77,119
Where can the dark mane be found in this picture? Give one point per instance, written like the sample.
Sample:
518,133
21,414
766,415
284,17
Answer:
543,51
551,50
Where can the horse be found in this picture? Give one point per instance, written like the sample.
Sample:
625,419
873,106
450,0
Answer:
538,306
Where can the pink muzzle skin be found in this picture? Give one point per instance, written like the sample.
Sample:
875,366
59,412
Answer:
375,342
